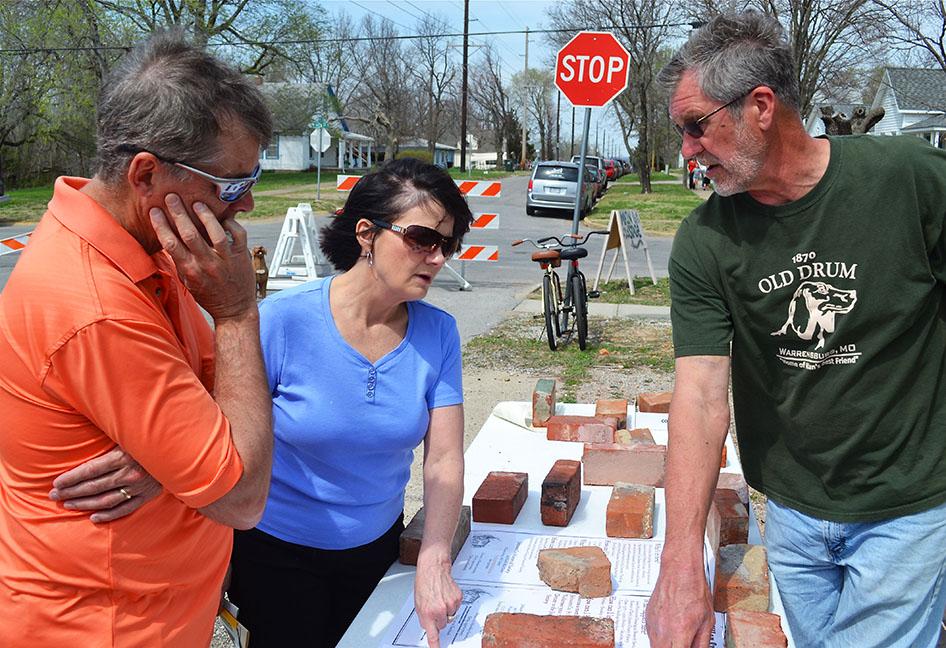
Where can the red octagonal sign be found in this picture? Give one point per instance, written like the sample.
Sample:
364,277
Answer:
592,69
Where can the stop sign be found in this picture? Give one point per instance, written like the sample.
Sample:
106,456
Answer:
592,69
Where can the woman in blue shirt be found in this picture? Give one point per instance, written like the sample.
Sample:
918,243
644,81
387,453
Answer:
361,371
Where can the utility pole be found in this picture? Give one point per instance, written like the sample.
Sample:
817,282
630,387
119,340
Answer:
522,157
466,32
597,150
558,131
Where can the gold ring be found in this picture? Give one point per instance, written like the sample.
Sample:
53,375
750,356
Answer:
125,493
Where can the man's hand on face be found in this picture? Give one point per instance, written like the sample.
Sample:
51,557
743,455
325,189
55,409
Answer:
111,486
219,273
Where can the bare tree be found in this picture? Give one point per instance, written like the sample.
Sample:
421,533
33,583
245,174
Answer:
919,25
435,71
533,90
489,100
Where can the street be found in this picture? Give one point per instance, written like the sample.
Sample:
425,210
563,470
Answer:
497,286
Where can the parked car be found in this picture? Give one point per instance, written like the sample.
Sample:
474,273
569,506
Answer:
593,160
611,170
553,186
597,179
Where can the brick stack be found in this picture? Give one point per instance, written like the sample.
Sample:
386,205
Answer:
561,492
500,497
630,511
412,537
734,517
583,570
654,403
605,464
637,436
515,630
543,402
587,429
614,408
742,579
745,629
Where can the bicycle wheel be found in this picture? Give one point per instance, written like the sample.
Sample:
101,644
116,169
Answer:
561,319
549,307
566,304
579,301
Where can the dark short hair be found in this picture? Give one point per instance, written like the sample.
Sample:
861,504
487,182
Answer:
732,54
171,97
385,194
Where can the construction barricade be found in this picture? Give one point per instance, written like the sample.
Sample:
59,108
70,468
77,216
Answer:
14,243
297,257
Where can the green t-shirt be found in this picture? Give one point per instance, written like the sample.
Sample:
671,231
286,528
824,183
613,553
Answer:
833,310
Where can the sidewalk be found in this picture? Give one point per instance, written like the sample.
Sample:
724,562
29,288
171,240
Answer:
619,311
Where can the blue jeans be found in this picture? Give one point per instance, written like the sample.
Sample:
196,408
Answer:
857,584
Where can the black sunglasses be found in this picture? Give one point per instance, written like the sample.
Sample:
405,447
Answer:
422,238
694,127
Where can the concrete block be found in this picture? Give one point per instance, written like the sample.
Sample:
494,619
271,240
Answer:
605,464
655,403
637,436
500,497
630,511
583,570
543,402
561,492
587,429
734,517
517,630
734,482
745,629
615,408
742,579
412,536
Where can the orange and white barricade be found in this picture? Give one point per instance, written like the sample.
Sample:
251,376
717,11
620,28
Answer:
14,243
346,182
469,188
478,253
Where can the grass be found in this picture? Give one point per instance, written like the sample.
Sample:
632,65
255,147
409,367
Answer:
656,175
25,204
620,345
616,292
660,211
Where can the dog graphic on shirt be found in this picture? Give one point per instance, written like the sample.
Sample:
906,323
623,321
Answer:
813,309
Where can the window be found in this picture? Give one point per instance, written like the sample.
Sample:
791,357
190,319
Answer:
271,152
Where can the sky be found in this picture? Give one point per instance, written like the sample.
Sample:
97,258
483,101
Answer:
491,16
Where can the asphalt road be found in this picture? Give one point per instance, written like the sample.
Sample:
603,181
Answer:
497,286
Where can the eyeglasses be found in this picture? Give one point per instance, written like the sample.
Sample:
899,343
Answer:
694,127
228,189
422,238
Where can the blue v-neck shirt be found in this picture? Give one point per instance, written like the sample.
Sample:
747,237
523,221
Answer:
345,429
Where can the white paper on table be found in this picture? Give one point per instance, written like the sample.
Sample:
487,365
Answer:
510,557
481,600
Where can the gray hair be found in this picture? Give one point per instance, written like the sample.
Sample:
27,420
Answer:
734,53
174,99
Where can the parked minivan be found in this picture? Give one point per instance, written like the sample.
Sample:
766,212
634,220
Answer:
553,185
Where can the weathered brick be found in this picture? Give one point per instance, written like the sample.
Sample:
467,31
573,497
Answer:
734,517
745,629
655,403
500,497
412,536
588,429
543,402
584,570
742,579
734,482
636,436
615,408
561,492
517,630
722,459
630,511
608,463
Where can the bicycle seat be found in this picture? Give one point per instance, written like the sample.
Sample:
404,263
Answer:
571,253
545,255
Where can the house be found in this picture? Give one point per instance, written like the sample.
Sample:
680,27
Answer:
914,101
444,155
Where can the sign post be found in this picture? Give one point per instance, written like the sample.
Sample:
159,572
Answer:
590,70
320,140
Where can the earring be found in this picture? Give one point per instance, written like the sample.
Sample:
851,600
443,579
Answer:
370,258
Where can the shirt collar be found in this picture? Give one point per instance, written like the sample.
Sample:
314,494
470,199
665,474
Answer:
87,219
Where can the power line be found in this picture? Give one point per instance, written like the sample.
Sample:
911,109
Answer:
326,41
382,16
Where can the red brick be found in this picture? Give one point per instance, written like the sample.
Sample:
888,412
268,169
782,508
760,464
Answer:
615,408
722,460
745,629
630,511
742,579
608,463
561,492
584,570
516,630
734,482
543,402
589,429
637,436
412,536
655,403
500,497
734,518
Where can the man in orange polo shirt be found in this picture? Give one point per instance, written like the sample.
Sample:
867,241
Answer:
102,345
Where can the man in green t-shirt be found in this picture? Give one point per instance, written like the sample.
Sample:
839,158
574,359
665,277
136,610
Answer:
814,277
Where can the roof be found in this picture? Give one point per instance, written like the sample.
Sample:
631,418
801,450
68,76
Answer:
919,89
936,122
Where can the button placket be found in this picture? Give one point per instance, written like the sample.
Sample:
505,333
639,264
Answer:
372,382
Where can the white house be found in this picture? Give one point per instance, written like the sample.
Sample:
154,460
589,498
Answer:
914,101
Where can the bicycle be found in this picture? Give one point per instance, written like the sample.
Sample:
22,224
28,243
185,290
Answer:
557,307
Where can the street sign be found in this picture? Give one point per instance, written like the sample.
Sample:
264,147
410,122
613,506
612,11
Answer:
592,69
320,139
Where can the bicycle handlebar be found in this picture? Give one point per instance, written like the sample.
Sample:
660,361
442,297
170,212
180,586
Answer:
577,240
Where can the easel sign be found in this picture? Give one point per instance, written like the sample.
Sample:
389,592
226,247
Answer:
624,230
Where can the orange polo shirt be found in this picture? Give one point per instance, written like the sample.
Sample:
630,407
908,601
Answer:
100,344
